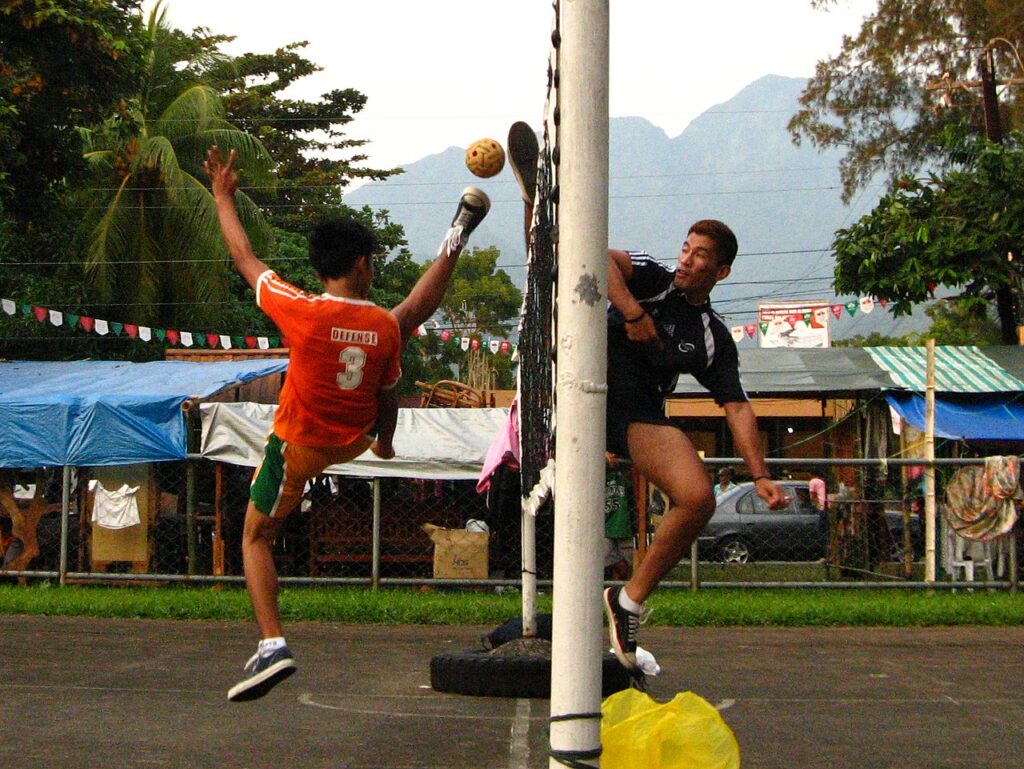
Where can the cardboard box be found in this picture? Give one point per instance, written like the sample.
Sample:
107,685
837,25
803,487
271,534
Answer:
458,554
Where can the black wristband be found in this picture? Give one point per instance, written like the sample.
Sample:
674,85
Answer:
637,318
756,478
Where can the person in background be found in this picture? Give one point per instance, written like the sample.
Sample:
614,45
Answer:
618,521
819,495
725,482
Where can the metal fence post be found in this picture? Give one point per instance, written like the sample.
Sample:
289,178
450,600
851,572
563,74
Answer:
694,568
375,563
190,515
65,520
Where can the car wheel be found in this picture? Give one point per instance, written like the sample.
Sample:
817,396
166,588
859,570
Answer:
734,550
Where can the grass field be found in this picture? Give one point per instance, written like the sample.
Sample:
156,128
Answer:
717,608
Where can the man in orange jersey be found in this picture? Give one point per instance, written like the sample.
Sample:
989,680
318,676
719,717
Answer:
342,371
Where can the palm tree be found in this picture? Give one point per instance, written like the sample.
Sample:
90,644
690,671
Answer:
157,249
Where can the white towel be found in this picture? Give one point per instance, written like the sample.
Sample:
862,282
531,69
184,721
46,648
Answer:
117,508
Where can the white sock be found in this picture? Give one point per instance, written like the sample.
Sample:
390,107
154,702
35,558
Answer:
268,645
629,604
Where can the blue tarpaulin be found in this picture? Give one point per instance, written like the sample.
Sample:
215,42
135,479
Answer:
89,413
980,417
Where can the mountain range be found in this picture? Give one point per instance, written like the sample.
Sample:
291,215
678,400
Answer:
734,162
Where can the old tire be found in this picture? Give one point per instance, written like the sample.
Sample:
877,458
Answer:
479,674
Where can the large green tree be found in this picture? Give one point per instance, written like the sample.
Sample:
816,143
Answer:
156,251
314,158
963,229
872,98
63,63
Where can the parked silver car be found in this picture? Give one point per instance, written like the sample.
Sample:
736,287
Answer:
743,529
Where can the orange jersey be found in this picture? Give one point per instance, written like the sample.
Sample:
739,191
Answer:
343,352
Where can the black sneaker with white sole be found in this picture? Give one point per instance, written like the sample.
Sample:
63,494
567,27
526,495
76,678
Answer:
473,207
622,627
264,673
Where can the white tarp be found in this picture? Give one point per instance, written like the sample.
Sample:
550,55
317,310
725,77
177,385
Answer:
449,444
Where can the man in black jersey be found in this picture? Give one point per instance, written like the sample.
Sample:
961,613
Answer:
661,325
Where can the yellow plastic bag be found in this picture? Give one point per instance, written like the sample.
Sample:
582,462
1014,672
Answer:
686,733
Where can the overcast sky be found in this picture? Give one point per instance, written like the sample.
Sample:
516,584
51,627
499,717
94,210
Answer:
441,73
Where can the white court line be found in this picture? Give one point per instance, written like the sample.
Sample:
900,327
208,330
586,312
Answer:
519,743
306,698
81,688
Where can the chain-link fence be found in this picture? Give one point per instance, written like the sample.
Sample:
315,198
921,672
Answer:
845,523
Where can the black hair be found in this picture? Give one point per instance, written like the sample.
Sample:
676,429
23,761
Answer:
723,238
337,243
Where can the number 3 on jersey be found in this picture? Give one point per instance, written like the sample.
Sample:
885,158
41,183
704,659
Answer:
352,359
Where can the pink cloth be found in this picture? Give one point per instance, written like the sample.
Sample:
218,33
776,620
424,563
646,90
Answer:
817,489
504,449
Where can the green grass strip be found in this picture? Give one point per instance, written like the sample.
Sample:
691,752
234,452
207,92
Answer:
674,608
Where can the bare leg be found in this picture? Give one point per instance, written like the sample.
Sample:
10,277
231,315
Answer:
260,573
665,456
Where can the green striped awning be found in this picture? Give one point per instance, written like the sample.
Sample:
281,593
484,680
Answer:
957,369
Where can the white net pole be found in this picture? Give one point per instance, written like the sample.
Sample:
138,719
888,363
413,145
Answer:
578,640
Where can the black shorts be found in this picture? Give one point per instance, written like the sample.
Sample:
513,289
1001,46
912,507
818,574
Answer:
632,397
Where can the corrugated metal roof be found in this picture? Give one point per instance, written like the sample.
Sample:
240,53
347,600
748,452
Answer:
957,369
787,371
783,372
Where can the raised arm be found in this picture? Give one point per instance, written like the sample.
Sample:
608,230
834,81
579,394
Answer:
639,325
426,295
224,183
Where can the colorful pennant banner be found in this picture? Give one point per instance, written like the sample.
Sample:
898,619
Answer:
180,338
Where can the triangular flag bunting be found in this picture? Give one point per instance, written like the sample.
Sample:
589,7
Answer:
867,304
851,307
464,343
212,339
115,328
751,329
263,343
40,313
764,327
102,327
145,333
26,310
494,346
737,333
187,339
250,342
225,341
131,330
72,320
87,323
9,306
837,310
172,336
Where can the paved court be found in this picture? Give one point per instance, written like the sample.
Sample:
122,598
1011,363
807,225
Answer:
85,693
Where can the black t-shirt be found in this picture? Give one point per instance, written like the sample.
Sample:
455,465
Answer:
695,339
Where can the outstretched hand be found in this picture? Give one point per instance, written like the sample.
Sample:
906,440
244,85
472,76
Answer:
771,493
223,179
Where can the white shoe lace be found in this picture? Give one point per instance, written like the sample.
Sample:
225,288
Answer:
251,664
